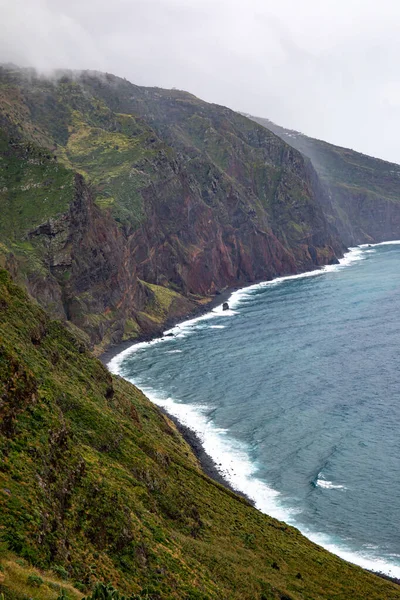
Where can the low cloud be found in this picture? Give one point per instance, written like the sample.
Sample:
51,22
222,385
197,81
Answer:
329,69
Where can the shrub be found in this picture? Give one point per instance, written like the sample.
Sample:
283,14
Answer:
60,571
35,580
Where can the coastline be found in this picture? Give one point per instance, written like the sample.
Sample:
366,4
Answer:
208,464
217,300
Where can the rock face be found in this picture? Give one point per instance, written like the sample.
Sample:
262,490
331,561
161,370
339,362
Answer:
92,278
90,267
185,199
364,191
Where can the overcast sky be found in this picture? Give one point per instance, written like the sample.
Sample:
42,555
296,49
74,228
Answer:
329,68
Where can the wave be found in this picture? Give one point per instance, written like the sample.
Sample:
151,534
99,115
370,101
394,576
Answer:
230,455
328,485
389,243
323,483
232,458
191,325
353,255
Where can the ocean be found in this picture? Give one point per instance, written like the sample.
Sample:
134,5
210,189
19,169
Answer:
295,394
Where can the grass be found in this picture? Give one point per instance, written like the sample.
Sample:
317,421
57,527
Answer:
21,580
97,485
161,299
33,188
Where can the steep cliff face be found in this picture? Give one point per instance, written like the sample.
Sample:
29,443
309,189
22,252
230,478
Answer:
245,174
202,248
364,191
72,256
87,257
187,196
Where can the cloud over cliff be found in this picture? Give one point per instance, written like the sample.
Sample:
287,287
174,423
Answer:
327,68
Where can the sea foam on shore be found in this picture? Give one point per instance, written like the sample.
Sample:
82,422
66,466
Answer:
231,457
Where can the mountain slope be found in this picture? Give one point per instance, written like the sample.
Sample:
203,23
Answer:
364,191
177,193
96,484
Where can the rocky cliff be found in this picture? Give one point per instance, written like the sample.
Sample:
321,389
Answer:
364,191
185,199
72,256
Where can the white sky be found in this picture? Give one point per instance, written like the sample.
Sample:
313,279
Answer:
329,68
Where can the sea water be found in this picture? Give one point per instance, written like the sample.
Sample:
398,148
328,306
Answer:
295,393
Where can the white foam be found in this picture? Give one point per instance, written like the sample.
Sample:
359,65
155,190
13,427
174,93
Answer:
389,243
328,485
362,558
233,461
353,255
231,457
191,325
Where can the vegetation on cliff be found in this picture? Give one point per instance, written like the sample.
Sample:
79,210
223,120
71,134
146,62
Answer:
176,193
97,485
364,191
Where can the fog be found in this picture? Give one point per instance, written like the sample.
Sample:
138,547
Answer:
329,69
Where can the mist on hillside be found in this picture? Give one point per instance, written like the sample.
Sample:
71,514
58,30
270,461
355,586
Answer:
327,69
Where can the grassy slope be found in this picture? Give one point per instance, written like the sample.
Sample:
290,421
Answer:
113,151
96,484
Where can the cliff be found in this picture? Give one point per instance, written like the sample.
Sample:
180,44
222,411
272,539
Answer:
97,485
364,191
180,199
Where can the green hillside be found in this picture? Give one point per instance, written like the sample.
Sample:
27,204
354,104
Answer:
97,485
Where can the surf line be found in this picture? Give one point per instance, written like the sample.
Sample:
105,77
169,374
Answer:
230,456
185,327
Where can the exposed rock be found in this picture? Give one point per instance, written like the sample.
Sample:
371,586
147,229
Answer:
92,279
202,199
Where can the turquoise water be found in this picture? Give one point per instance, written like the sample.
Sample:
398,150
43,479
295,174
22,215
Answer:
295,393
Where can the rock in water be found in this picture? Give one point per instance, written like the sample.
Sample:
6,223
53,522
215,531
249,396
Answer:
225,306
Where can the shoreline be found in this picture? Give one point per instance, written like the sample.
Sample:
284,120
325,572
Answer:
208,465
203,309
223,296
